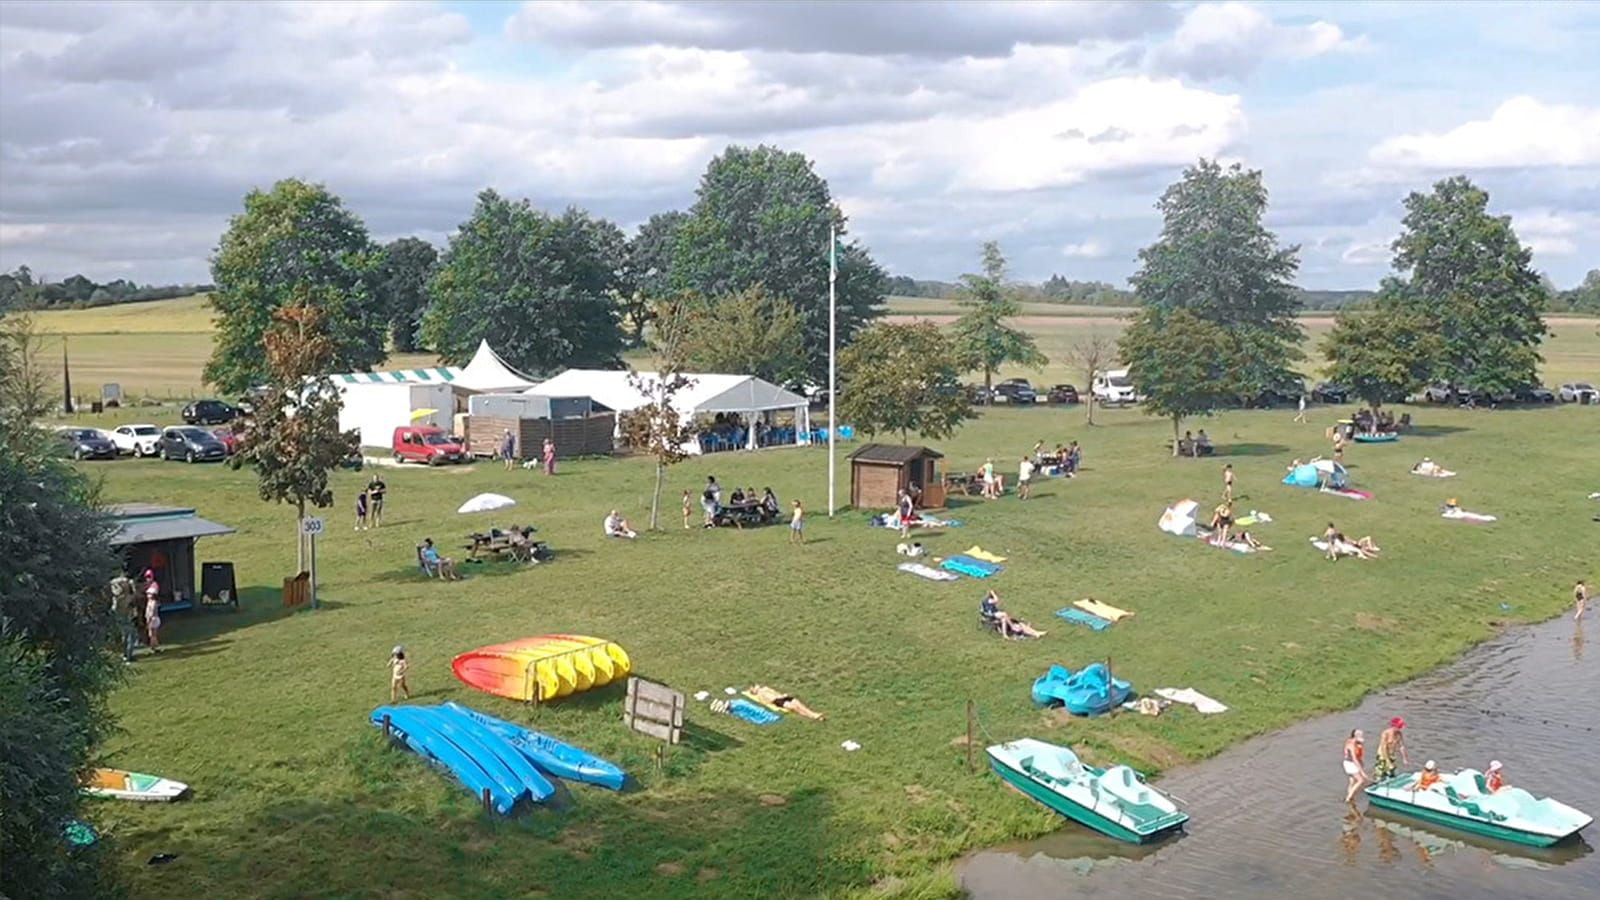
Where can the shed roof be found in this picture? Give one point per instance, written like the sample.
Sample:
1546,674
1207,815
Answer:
139,523
894,454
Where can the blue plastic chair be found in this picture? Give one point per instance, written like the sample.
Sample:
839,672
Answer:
847,432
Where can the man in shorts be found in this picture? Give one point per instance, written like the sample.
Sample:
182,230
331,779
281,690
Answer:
1024,478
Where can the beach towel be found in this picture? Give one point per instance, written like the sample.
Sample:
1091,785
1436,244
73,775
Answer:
1465,516
1209,539
1254,518
746,710
1436,473
1348,493
1103,610
979,553
927,572
757,698
970,567
1345,550
1202,704
1079,617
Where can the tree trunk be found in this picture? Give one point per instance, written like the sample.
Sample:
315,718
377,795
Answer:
655,499
1091,406
988,379
904,439
1177,423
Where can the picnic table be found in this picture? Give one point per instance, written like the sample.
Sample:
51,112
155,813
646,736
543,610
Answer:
496,544
968,483
739,515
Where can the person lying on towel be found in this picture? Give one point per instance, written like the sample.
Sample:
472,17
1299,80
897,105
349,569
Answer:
1249,540
785,702
1009,627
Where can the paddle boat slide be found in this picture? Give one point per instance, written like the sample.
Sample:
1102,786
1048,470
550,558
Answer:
116,784
1460,801
543,668
1114,801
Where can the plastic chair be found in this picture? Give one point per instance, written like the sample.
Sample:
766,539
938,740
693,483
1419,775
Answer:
847,432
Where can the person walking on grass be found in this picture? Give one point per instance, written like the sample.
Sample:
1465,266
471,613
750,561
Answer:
152,611
508,449
687,506
1391,741
797,525
1024,478
1301,415
1580,599
549,456
375,491
361,510
398,665
1338,447
1227,482
1354,749
124,608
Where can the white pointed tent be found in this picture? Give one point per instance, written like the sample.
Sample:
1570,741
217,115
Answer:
376,403
708,394
488,372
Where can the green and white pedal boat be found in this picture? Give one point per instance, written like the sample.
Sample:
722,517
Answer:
1114,801
1460,801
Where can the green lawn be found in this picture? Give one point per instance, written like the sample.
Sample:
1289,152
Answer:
265,713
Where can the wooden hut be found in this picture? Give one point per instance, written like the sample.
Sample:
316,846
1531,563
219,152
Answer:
879,472
162,538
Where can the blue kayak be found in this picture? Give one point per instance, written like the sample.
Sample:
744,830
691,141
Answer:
451,723
553,755
1089,691
420,734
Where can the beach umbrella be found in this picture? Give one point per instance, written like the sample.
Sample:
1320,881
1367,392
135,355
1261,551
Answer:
486,503
419,414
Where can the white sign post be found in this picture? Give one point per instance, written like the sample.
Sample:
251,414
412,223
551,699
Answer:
311,526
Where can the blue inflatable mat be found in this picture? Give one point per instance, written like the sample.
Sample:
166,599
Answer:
1079,617
753,713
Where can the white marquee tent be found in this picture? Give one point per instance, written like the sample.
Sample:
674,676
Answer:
376,403
708,394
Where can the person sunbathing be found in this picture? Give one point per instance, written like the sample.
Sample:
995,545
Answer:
786,702
1450,507
444,565
1249,540
1426,467
1367,547
617,526
1009,627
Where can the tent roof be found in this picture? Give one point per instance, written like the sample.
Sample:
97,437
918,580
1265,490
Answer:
435,375
139,523
708,393
488,372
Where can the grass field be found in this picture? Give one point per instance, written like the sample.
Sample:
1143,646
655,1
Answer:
264,712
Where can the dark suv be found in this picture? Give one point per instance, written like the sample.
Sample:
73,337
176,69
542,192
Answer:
190,444
210,412
1016,391
87,443
1329,392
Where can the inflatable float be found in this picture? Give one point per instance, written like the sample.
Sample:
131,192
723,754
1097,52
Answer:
119,785
543,668
1089,691
1388,437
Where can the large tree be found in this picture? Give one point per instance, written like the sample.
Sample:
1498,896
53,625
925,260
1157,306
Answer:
1182,364
403,287
540,288
1383,354
1464,272
1586,296
56,629
649,273
762,216
902,378
750,332
1094,353
1217,260
292,439
982,336
296,240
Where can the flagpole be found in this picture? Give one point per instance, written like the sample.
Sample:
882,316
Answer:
833,388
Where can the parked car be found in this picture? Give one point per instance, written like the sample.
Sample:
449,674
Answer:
1440,392
229,436
87,443
1288,391
191,444
1062,393
978,395
210,412
1533,393
1578,392
427,444
136,440
1016,391
1329,392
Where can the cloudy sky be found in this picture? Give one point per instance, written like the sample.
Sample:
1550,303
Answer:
130,131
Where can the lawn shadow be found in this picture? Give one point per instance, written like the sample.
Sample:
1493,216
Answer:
708,740
1435,430
1254,450
258,605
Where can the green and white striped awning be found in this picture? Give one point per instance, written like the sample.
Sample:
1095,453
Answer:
436,375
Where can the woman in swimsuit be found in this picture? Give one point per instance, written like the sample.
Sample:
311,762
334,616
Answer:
783,701
1354,749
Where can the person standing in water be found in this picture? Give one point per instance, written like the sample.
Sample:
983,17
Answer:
1580,599
1354,749
1389,742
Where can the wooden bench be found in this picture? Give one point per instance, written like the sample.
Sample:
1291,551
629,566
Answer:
967,483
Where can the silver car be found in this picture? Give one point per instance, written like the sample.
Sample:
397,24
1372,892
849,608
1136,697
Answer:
1578,392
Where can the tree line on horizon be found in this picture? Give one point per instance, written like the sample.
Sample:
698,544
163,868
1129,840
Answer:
20,289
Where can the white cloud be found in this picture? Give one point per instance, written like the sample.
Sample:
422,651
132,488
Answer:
1366,253
1522,132
1087,249
1222,39
1549,233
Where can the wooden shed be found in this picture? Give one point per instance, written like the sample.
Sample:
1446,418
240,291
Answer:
879,472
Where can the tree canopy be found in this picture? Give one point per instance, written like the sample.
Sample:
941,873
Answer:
296,240
540,288
750,332
56,628
902,378
981,334
403,287
762,216
1183,365
1382,355
1463,272
1217,260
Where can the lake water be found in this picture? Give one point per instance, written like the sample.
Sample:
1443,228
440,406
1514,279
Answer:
1268,818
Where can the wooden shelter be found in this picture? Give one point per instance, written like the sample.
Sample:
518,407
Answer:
162,538
879,472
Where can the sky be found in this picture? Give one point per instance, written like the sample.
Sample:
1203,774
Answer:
130,132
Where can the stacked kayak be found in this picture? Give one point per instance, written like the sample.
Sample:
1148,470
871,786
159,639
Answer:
543,668
511,763
1088,692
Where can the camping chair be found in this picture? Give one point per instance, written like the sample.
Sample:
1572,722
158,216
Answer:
988,622
428,568
1404,424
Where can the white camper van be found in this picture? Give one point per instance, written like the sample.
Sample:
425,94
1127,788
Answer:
1113,388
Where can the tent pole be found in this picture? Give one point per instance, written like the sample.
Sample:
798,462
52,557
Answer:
833,276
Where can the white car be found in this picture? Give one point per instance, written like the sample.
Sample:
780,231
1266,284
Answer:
1578,392
138,440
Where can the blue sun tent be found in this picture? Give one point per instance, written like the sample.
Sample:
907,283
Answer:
1322,473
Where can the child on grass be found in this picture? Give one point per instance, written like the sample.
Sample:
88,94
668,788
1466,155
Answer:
398,664
686,508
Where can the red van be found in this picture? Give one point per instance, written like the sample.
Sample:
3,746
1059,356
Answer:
427,444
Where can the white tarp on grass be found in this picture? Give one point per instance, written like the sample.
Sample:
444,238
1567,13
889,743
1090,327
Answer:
1179,519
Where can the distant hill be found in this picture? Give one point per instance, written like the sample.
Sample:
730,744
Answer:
1056,289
